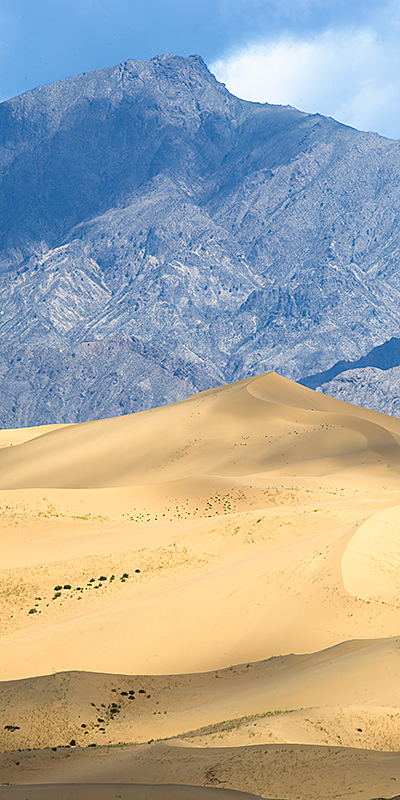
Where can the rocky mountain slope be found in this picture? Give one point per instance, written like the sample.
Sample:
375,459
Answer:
160,236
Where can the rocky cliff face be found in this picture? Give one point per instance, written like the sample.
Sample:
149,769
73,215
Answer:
160,236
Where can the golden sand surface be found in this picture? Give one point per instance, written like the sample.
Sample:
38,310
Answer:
217,579
120,791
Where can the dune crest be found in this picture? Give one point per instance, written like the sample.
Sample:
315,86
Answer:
371,562
159,569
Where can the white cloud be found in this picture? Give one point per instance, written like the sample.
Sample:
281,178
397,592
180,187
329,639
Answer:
353,76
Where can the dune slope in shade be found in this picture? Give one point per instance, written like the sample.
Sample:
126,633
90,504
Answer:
270,701
120,791
269,771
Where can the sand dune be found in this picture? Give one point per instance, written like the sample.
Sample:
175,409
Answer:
244,704
247,523
118,791
303,772
250,427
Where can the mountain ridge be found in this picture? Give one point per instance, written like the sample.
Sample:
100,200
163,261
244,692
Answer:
162,237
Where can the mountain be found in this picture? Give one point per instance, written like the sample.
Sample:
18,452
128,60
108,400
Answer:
161,236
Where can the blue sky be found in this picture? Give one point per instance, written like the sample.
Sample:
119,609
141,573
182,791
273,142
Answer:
339,58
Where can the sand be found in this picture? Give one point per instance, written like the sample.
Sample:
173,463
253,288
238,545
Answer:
120,791
223,571
269,771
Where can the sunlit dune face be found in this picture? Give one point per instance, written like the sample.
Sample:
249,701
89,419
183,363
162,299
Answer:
145,557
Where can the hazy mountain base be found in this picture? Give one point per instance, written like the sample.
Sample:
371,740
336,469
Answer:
370,387
161,236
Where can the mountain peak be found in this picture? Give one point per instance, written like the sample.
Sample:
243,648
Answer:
161,236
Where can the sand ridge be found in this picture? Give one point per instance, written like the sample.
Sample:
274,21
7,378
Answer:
214,575
304,772
234,572
223,432
118,791
121,791
243,703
